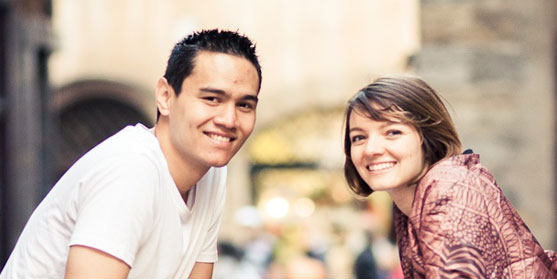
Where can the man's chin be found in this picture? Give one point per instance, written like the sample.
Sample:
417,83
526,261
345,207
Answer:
220,163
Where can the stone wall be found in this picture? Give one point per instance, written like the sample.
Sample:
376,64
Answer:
26,43
493,61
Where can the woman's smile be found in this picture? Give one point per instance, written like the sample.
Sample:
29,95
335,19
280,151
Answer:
386,154
381,166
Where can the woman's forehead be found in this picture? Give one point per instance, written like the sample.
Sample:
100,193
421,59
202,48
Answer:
378,113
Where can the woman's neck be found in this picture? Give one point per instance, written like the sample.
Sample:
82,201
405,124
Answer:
403,197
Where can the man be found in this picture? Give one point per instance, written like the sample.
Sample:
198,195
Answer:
147,203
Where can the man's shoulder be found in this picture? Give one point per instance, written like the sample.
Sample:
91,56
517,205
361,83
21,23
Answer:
130,142
136,137
125,156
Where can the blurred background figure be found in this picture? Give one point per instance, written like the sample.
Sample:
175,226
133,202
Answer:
304,267
252,254
365,266
74,72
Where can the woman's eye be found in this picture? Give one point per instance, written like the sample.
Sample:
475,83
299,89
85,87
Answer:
356,138
394,132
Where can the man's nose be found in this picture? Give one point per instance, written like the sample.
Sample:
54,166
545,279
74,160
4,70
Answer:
227,117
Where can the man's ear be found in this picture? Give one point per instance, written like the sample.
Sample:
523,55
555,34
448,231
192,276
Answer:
163,96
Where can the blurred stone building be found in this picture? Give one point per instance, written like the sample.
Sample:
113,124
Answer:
494,61
74,72
25,45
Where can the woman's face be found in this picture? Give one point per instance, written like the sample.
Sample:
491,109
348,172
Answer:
387,154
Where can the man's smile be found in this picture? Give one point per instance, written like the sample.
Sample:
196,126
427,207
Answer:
220,137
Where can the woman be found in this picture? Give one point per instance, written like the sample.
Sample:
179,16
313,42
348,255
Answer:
451,218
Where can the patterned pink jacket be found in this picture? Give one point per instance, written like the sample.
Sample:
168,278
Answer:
462,226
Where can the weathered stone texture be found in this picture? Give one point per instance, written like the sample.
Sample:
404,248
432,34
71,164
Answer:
493,61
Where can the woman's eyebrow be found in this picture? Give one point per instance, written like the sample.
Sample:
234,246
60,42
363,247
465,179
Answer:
389,123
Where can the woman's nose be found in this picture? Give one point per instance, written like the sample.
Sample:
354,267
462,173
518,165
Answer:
374,147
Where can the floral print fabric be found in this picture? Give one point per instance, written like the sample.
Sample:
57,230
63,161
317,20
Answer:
462,226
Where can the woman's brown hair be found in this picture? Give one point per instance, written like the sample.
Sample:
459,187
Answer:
412,101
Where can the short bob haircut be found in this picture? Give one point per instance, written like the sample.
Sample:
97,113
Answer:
411,101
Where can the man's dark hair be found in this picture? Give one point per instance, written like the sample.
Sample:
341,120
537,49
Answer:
181,61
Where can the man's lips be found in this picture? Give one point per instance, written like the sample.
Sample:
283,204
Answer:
220,137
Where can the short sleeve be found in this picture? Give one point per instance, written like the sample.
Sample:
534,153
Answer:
115,206
209,252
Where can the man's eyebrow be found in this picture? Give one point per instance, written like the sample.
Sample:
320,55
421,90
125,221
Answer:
213,90
223,93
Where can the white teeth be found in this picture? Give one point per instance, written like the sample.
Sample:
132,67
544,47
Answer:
380,166
219,138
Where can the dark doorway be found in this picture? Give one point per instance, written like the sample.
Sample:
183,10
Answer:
85,124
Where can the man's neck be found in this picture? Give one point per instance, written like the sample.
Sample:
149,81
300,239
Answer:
185,173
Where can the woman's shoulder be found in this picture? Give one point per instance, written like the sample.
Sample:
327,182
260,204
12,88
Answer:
458,164
456,176
457,168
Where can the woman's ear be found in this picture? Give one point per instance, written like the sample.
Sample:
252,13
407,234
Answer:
163,96
421,134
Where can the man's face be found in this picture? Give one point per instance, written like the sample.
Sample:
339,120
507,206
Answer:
214,113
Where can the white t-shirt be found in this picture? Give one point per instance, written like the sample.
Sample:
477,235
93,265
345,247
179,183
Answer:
120,198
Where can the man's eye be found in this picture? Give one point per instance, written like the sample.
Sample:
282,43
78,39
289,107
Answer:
246,106
211,99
